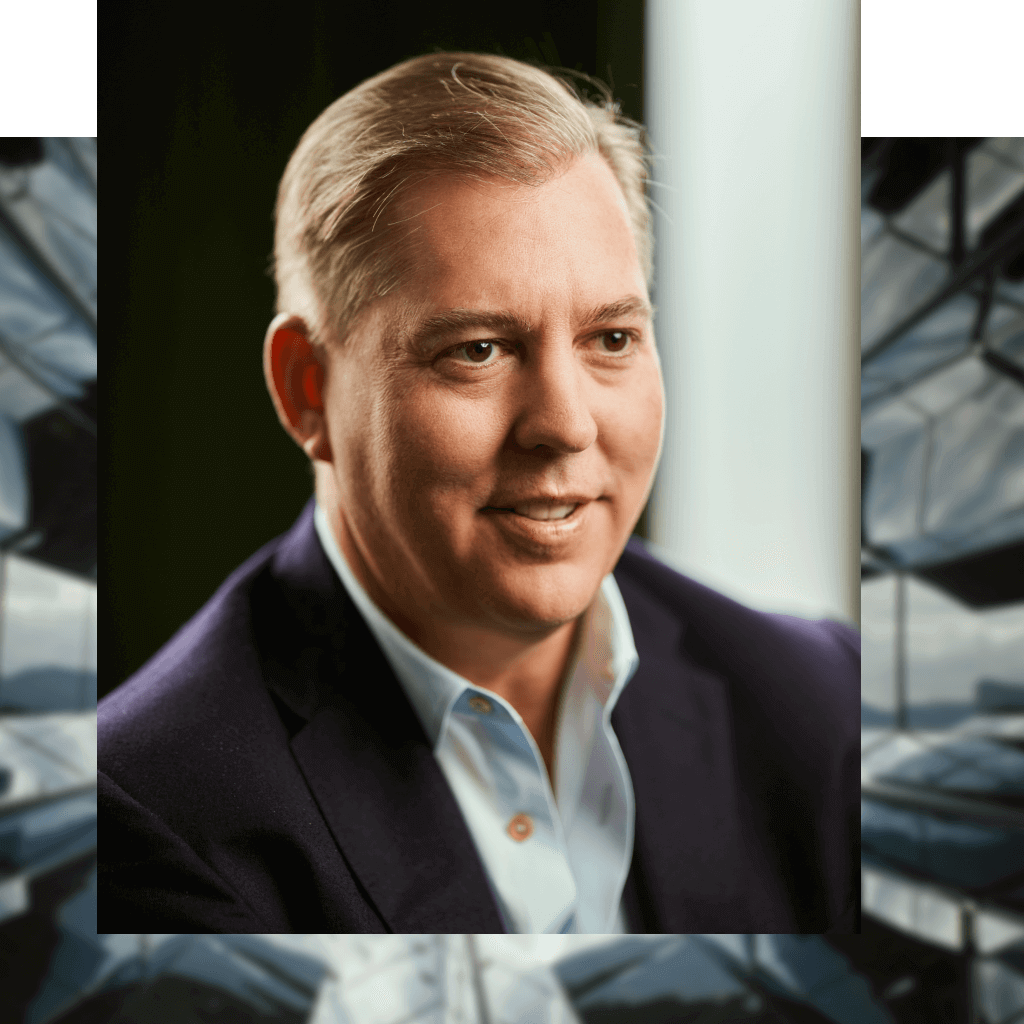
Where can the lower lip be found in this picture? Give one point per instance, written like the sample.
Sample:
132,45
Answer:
546,534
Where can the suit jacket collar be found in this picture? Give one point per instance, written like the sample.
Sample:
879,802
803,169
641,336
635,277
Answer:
677,744
693,855
364,755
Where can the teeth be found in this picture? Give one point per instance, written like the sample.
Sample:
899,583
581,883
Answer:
541,510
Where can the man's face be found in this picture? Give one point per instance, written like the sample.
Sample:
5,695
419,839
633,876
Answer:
510,379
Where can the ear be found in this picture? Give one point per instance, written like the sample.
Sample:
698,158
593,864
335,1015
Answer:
295,380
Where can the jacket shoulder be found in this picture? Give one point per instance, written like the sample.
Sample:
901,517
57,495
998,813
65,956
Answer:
711,610
768,658
171,691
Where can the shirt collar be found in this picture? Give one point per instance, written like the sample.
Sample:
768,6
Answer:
606,652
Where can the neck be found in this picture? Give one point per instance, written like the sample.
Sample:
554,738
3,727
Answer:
526,669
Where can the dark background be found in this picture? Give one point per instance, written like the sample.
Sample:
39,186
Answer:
200,117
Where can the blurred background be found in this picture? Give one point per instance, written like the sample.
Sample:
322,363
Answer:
47,556
941,536
942,532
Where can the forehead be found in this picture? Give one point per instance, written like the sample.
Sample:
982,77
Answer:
492,243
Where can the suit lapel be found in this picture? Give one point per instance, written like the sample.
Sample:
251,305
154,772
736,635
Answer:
673,724
365,757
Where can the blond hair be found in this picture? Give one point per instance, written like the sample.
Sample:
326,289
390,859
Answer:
475,115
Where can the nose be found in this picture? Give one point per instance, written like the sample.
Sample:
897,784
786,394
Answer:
554,408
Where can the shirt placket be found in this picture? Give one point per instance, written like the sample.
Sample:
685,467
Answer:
536,881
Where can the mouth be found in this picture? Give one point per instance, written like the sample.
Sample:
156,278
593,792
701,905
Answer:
539,511
541,527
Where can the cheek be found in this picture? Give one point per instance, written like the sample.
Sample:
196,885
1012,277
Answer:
441,444
634,425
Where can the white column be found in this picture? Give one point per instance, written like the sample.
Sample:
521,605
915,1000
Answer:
753,114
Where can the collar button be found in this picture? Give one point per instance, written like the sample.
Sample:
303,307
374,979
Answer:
480,704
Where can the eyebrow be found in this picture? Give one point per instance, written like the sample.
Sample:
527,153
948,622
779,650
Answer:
632,305
430,332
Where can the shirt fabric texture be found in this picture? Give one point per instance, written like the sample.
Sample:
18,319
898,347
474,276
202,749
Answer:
567,876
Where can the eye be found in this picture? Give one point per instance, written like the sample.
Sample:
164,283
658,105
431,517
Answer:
478,352
616,342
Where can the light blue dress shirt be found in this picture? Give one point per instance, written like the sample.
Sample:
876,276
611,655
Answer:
555,866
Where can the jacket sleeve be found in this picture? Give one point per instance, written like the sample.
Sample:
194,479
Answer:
151,881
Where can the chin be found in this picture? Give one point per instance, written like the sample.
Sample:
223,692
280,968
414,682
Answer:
541,598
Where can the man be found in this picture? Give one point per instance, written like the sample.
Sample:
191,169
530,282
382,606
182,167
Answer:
448,700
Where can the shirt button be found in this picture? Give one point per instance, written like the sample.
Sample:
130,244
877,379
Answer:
520,827
481,704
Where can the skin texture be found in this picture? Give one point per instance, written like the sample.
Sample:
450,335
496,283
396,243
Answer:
417,438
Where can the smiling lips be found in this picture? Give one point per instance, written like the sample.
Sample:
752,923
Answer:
541,509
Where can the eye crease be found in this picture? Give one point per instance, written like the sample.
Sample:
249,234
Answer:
480,352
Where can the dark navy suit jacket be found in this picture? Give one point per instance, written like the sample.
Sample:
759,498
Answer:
264,771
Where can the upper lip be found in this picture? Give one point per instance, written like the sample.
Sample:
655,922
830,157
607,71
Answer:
505,502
